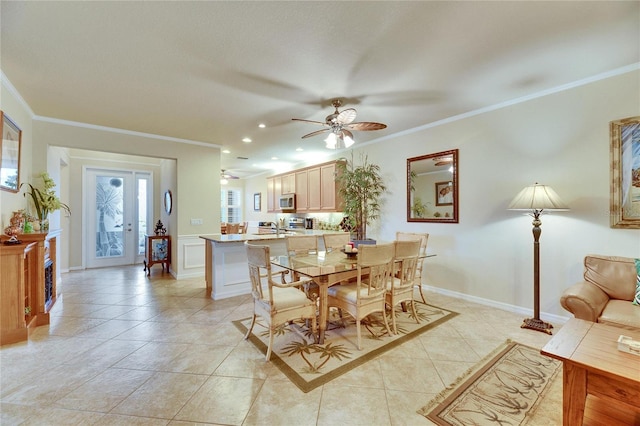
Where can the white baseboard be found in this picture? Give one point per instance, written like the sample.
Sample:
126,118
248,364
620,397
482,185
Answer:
558,319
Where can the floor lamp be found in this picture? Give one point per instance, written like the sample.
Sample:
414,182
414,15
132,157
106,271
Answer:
536,198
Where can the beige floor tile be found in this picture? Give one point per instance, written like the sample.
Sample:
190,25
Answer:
364,406
417,375
368,375
104,391
121,420
280,402
224,400
109,329
162,396
403,407
155,356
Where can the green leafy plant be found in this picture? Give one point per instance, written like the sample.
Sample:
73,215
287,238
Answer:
360,188
45,200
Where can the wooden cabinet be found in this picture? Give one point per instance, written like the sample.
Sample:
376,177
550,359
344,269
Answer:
302,196
288,184
316,189
45,271
17,291
274,190
157,250
329,200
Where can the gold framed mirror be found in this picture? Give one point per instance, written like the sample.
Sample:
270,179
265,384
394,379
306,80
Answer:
432,187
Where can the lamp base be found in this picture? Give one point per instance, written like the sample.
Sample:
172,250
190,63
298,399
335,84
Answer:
537,324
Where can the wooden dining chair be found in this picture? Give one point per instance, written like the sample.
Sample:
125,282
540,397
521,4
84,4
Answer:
423,238
233,228
335,241
400,287
243,227
276,303
366,295
303,245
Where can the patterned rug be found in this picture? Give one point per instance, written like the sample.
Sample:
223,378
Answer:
309,365
516,386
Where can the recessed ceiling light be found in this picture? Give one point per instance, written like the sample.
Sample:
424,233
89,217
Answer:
274,158
226,151
299,149
246,140
262,125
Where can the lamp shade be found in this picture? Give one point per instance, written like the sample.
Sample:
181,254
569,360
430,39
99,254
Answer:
537,197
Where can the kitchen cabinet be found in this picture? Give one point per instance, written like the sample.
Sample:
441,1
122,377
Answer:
316,189
328,188
302,195
288,184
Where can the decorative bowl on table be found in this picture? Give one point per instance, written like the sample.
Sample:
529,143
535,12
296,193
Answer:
350,254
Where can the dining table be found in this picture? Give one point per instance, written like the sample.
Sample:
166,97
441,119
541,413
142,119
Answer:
325,268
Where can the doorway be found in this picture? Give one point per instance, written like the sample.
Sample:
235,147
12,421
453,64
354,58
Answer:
118,205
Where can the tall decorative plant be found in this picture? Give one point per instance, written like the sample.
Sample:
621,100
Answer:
45,200
360,188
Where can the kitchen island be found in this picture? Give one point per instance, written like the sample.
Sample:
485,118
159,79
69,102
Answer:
226,270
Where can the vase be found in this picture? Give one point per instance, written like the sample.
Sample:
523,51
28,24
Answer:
44,225
36,225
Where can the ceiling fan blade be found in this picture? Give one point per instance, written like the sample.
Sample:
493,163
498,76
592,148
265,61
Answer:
345,132
346,116
320,123
366,125
317,132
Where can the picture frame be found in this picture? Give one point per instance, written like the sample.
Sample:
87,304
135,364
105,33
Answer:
624,202
257,201
10,153
444,193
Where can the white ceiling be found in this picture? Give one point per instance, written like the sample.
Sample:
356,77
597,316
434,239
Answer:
211,71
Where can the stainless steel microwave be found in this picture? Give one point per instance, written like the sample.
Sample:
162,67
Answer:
287,202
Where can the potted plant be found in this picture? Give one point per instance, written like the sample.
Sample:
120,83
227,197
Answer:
360,188
45,200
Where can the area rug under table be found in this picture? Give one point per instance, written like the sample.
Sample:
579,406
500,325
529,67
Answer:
516,386
309,365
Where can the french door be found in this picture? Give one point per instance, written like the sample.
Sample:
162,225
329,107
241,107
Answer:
118,206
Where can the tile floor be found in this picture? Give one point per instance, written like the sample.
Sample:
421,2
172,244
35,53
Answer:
126,349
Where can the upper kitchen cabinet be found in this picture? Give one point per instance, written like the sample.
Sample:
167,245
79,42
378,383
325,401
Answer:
315,188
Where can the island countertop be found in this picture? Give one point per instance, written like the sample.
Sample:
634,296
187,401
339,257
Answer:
234,238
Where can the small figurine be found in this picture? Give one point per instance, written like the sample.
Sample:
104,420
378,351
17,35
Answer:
160,229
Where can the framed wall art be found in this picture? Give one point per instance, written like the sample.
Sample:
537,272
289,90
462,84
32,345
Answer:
624,203
444,193
257,201
10,154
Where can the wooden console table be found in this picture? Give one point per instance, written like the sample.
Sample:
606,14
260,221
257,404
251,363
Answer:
157,250
592,364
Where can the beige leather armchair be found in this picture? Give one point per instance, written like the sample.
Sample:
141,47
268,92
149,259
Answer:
606,293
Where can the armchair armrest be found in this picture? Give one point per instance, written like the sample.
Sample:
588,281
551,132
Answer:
584,300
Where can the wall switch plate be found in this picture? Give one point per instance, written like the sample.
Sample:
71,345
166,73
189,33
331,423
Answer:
196,221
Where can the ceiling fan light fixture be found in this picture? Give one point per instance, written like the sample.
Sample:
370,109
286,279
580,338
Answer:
223,181
331,141
348,141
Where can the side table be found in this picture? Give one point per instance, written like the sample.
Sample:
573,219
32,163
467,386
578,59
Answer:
157,250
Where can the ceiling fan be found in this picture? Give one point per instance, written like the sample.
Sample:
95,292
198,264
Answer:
443,161
224,177
340,124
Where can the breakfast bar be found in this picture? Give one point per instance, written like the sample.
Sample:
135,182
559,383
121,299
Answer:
226,270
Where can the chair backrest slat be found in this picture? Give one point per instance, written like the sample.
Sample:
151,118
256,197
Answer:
378,259
335,241
301,244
